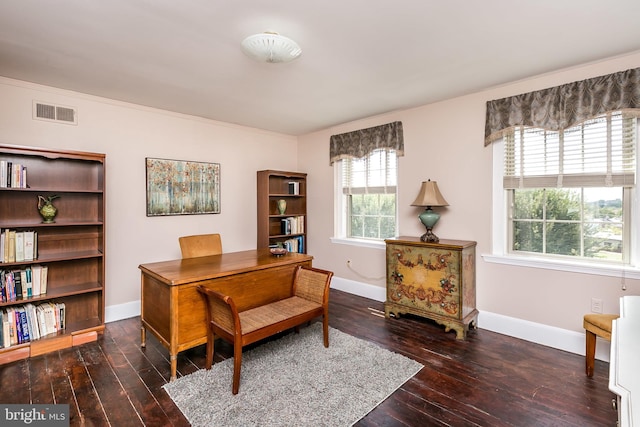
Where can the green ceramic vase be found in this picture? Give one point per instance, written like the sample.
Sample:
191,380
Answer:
47,211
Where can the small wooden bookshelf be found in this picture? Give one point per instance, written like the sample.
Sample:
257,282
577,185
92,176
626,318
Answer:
290,227
72,247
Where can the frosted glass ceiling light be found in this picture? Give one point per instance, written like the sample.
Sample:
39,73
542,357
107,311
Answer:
271,47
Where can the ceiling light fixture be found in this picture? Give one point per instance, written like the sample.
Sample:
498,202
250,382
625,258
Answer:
271,47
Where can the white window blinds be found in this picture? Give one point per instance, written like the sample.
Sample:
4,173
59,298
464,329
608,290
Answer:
597,153
373,174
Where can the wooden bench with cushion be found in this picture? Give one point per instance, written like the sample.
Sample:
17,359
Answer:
309,299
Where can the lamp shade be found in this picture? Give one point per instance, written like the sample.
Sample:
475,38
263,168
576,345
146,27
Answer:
429,195
271,47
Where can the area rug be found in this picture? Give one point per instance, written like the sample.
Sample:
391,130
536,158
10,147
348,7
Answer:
295,381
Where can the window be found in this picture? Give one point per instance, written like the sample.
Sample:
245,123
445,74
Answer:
366,195
569,193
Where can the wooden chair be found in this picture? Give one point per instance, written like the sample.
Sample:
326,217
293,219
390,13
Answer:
595,325
310,299
200,245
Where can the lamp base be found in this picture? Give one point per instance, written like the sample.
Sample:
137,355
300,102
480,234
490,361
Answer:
429,237
429,218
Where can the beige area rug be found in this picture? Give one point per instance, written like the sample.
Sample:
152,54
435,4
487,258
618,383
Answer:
295,381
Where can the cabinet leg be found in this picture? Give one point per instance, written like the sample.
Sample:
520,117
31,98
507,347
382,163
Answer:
461,333
473,324
143,337
391,314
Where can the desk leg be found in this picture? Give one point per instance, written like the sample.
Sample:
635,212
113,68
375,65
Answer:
143,337
174,366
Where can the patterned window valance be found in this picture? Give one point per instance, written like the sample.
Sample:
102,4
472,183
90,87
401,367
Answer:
564,106
360,143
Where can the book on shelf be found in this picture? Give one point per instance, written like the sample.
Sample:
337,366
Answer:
294,187
6,333
17,282
11,321
62,308
294,244
3,287
5,248
29,237
4,255
12,246
29,322
29,282
17,325
285,226
23,279
51,315
3,174
8,181
24,283
41,320
32,321
8,286
35,245
292,225
24,326
16,173
48,324
12,175
43,279
18,246
36,277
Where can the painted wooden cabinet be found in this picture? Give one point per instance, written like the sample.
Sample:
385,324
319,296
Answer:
433,280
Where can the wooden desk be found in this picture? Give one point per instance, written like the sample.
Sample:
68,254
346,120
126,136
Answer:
624,363
173,310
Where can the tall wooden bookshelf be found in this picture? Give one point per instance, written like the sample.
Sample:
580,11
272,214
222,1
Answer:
72,248
292,188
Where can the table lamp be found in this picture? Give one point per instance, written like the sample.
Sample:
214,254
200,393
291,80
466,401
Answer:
428,197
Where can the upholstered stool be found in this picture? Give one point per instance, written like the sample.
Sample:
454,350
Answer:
596,324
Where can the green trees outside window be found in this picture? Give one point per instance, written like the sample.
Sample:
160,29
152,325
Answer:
577,222
373,216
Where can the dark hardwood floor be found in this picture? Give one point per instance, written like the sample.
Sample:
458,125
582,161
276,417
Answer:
487,380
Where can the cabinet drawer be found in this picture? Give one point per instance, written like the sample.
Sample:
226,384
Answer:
425,278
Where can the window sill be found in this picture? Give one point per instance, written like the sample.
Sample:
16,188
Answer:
617,271
375,244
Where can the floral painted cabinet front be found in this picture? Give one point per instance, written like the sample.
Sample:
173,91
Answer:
433,280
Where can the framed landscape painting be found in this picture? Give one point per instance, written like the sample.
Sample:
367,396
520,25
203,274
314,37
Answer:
176,187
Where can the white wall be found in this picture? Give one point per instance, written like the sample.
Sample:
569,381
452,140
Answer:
444,142
127,134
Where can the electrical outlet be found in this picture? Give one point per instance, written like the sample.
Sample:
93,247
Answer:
596,305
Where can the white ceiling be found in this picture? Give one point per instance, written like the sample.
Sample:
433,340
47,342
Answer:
360,57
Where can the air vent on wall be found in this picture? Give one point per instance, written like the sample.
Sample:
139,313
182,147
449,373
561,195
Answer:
55,113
